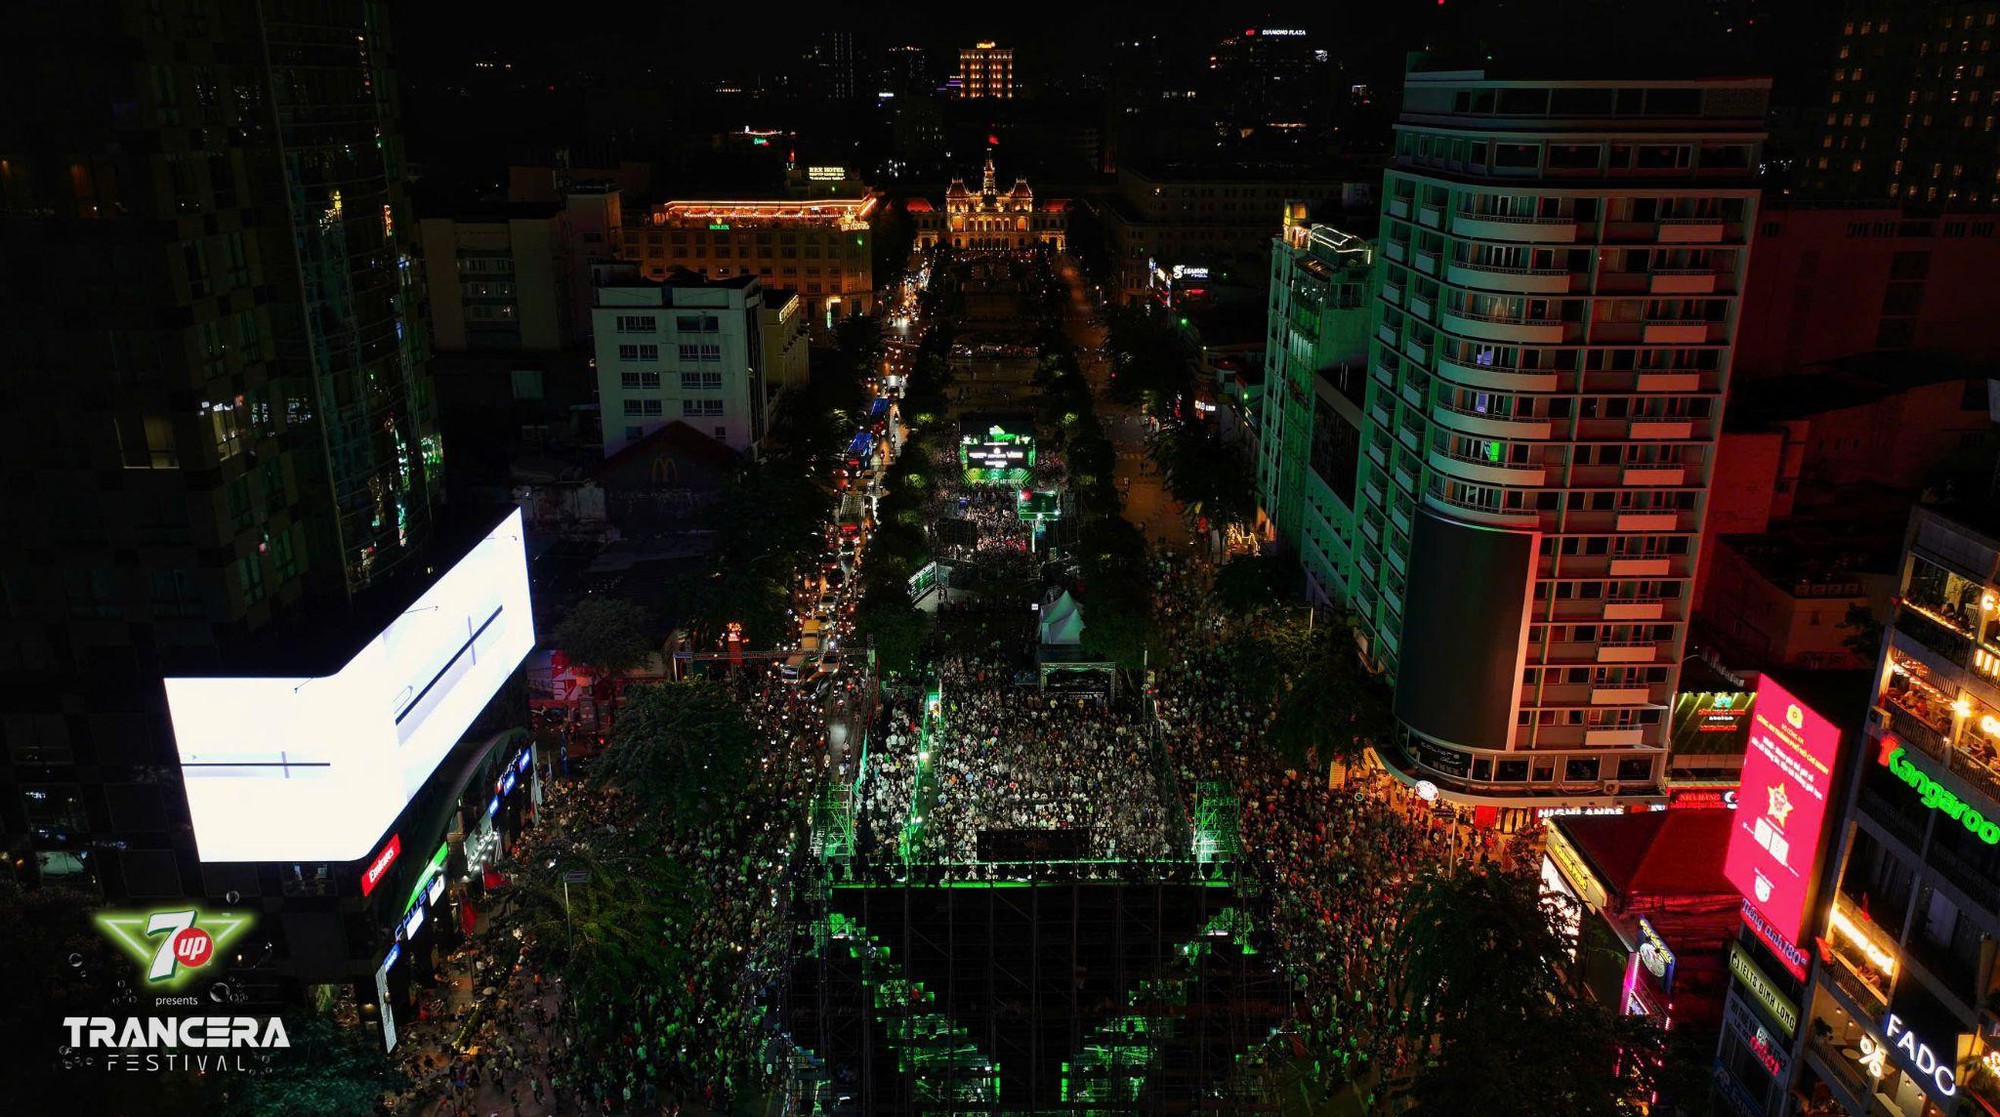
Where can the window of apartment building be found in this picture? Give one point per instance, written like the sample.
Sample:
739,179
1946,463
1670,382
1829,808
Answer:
696,408
1945,939
701,352
248,337
285,554
1876,879
235,265
250,578
637,324
148,442
172,593
637,381
701,381
195,259
639,352
238,495
697,323
53,808
225,422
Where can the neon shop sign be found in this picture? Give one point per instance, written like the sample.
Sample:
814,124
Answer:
1935,795
1917,1057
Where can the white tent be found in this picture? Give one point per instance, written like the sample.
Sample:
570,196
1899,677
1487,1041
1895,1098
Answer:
1062,625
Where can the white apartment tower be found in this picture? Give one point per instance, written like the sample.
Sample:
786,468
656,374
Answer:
1563,266
683,349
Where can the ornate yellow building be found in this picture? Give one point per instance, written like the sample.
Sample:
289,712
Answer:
991,221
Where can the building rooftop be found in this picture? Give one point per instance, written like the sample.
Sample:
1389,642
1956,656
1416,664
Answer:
722,213
676,439
628,278
1658,853
488,211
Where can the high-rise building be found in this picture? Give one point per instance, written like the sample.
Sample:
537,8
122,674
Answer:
1896,1001
688,350
985,71
831,61
227,470
1911,114
906,71
1270,83
499,279
1315,372
1563,262
1214,218
1830,282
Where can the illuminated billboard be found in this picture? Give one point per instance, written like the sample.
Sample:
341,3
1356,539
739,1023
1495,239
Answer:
1774,846
1001,453
1711,722
317,768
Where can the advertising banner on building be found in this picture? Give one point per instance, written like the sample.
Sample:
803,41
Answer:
317,768
1773,854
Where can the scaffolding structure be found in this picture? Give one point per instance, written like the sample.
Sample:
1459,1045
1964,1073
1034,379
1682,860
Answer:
1020,997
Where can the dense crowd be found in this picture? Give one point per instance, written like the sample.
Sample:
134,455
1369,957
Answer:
1337,860
517,1036
1017,758
993,752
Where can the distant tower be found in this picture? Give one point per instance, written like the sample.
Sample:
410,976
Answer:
988,188
986,70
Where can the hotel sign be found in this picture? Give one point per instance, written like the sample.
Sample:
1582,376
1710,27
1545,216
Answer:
1762,989
826,174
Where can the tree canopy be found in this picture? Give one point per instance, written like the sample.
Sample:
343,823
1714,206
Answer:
1486,1000
609,634
677,747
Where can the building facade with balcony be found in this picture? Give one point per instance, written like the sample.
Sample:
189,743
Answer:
1562,263
1309,421
1900,1015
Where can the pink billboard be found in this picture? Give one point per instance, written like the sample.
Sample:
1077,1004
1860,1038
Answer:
1787,769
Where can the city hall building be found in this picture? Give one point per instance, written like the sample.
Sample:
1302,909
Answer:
991,221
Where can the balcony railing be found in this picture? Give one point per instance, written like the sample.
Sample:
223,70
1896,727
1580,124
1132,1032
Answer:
1933,634
1544,272
1889,817
1502,320
1516,218
1918,732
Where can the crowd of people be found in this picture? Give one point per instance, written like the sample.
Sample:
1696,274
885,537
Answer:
1336,859
1018,758
976,748
502,1033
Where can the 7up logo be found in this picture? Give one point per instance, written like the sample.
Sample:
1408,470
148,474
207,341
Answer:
172,946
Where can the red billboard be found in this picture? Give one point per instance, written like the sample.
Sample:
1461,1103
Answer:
1787,770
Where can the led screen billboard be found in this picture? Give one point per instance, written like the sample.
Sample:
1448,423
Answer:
1774,846
317,768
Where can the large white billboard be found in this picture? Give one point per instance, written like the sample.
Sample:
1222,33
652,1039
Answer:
315,769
